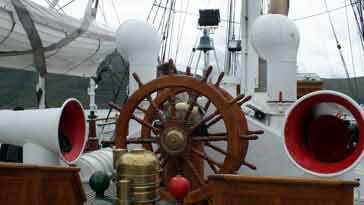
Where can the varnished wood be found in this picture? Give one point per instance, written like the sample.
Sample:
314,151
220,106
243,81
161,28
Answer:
248,98
203,156
250,165
92,141
227,111
195,172
207,74
144,123
210,138
214,121
40,185
219,79
248,190
256,132
248,137
237,99
204,120
305,87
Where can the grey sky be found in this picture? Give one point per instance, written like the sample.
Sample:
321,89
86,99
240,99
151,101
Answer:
317,54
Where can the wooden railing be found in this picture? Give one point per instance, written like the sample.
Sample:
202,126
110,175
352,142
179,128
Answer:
38,185
242,190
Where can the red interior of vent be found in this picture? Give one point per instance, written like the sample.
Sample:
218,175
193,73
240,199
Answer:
318,144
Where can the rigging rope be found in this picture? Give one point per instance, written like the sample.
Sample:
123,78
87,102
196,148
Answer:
12,26
170,34
326,12
102,6
180,32
358,14
53,4
75,67
192,55
340,51
151,10
65,5
166,30
356,84
158,7
116,11
89,16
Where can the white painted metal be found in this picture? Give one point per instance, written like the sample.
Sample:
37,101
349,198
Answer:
81,57
139,43
341,95
53,3
100,160
270,154
41,86
92,93
276,39
251,10
36,154
35,129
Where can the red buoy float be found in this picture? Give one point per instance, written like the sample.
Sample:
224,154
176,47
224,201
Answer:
179,186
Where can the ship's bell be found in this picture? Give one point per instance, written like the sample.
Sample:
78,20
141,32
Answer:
205,43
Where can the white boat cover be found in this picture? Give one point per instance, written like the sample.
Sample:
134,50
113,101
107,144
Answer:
81,57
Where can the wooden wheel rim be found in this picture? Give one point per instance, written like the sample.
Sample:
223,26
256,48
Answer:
231,114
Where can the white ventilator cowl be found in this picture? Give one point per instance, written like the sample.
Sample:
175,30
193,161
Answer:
275,35
139,43
276,39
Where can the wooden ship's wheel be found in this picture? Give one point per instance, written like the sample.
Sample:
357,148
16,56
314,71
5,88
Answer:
188,123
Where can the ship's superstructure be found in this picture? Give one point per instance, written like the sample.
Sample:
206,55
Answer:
192,125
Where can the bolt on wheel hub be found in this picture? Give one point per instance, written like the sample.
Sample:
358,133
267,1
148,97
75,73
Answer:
173,140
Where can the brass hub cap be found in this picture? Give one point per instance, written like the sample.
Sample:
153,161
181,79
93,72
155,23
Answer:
173,140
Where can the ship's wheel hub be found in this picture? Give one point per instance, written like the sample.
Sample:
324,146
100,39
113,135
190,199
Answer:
174,140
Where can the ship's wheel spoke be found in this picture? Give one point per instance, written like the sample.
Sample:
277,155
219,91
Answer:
145,123
214,121
163,161
172,102
210,138
213,167
150,100
207,74
114,106
256,132
237,99
245,100
191,105
218,134
204,120
216,148
194,96
142,110
248,137
207,105
251,166
195,172
217,84
142,140
222,137
206,158
161,120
